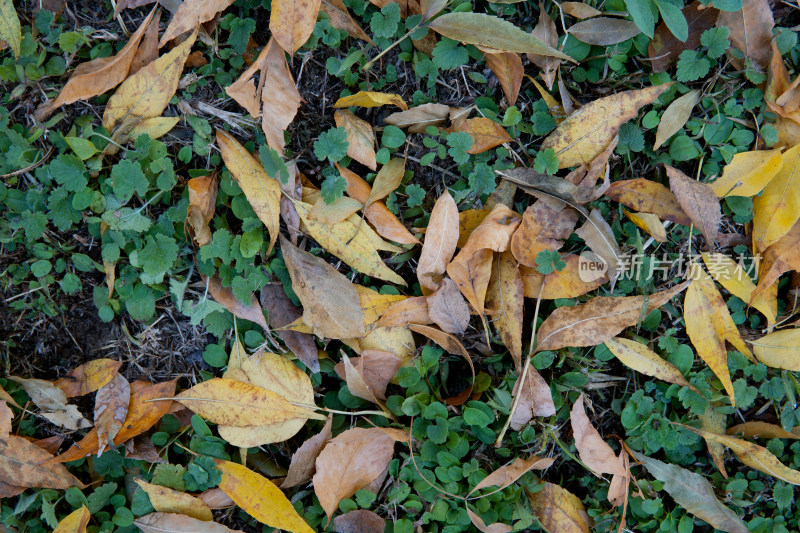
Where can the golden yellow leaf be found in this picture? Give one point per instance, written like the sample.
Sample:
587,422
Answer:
732,276
292,22
371,99
75,522
780,349
649,223
260,498
235,403
278,374
360,136
760,430
748,173
262,191
88,377
587,131
167,500
778,207
485,132
147,93
375,304
644,360
559,510
155,127
191,14
339,210
396,340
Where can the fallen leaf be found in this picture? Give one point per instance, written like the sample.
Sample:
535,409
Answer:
694,493
331,305
535,399
505,294
478,522
303,464
649,223
167,500
604,31
599,237
225,297
275,373
145,409
202,201
359,521
6,416
368,376
675,117
350,462
600,319
780,349
75,522
748,173
147,52
697,200
21,461
281,312
715,421
374,304
485,132
592,449
409,311
491,32
588,131
777,208
177,523
417,119
262,191
88,377
542,228
291,23
448,309
387,180
468,220
778,258
552,189
708,325
508,474
564,283
395,340
360,136
736,281
664,49
507,66
142,449
750,29
472,273
110,410
93,78
10,29
648,197
579,10
52,403
216,499
371,99
559,510
279,96
761,430
336,212
545,31
147,93
244,89
441,238
640,358
340,19
190,14
493,233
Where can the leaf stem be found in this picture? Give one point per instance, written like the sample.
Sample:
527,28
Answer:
400,40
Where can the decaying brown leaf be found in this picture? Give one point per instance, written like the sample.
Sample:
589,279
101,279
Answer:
535,399
593,450
542,228
485,132
87,378
53,403
21,461
505,295
110,410
697,200
202,202
417,119
368,376
340,19
448,309
361,138
224,296
750,29
559,510
359,521
303,464
282,312
545,31
508,474
178,523
507,66
440,242
665,48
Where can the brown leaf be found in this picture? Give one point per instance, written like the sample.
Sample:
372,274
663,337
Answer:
167,500
536,399
178,523
340,19
110,410
216,499
542,228
53,403
564,283
665,48
202,200
359,521
92,78
417,119
441,238
697,200
599,319
508,474
190,14
559,510
505,295
6,416
244,89
225,297
472,274
368,376
302,467
330,302
778,258
448,309
604,31
88,377
649,197
144,410
279,96
478,522
507,66
21,460
142,449
593,450
546,32
360,136
292,23
485,132
599,236
494,232
282,312
409,311
579,10
751,29
350,462
148,47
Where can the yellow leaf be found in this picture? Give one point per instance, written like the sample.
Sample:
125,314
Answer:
262,191
590,129
675,116
375,304
780,349
350,242
754,456
167,500
147,93
556,109
559,510
748,173
260,498
778,207
649,223
387,180
730,275
339,210
155,127
76,521
292,22
234,403
485,132
396,340
371,99
278,374
10,30
642,359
